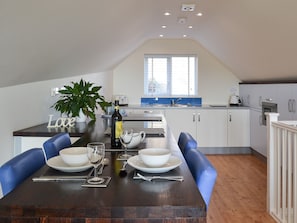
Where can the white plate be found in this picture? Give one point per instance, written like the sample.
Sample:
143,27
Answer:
57,163
136,162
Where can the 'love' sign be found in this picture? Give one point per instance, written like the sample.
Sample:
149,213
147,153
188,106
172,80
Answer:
61,122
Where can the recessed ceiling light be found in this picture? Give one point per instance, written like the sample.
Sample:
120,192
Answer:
167,13
190,27
199,14
184,36
161,35
182,20
164,27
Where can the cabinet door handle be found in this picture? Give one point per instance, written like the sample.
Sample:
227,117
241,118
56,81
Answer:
290,105
248,100
260,120
195,116
230,119
260,100
294,105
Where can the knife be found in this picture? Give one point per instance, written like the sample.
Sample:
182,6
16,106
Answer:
59,178
62,178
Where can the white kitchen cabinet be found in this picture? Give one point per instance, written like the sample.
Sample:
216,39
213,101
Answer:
284,95
207,126
212,127
181,120
252,95
238,128
286,101
258,133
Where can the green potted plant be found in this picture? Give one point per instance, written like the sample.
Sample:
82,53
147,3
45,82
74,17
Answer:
81,97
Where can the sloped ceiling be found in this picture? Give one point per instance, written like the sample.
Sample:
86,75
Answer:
48,39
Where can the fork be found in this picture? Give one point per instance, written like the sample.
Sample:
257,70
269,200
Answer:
174,178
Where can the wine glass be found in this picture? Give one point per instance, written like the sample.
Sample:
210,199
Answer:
96,153
125,139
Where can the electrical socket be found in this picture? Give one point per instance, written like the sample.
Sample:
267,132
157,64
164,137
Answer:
54,91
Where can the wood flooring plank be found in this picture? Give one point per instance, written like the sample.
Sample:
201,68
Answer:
240,191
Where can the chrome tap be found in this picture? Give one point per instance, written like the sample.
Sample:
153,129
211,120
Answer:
174,102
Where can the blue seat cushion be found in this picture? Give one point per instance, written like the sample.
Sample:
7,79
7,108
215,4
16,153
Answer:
186,142
203,172
16,170
53,145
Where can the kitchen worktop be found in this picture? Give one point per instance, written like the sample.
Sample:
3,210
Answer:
182,106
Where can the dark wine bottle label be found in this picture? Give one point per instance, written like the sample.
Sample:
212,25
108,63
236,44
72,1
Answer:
118,129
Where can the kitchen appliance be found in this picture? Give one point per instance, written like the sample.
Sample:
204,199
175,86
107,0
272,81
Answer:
123,99
266,108
234,100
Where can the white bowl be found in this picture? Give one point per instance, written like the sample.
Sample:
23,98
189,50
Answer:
154,157
74,156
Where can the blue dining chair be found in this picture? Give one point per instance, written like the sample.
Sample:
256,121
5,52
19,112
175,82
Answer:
20,167
186,142
203,172
52,146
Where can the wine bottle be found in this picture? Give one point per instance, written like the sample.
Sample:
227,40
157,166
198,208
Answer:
116,127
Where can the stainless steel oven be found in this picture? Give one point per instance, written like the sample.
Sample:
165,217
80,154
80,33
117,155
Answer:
267,107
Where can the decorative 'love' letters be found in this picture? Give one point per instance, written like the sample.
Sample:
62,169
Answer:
61,122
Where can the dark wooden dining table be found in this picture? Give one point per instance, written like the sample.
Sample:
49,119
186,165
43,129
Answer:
123,200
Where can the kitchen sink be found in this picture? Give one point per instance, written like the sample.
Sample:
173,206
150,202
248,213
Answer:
179,105
171,106
218,106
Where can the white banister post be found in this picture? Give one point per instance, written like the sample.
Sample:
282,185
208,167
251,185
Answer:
270,117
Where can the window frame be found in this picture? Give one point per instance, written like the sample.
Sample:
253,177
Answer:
169,74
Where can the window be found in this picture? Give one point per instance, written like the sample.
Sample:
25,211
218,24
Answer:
170,75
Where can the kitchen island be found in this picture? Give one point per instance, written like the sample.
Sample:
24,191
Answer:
34,136
123,200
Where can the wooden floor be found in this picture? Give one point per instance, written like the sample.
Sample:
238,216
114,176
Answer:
240,191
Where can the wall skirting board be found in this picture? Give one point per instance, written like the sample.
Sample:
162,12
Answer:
232,151
225,150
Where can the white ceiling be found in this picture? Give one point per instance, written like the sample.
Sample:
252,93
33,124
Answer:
49,39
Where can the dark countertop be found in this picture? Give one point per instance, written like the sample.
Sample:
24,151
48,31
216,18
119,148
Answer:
42,131
124,200
80,128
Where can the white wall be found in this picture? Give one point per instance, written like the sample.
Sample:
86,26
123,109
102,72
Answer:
215,81
27,105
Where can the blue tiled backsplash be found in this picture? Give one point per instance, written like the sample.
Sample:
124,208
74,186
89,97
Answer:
165,101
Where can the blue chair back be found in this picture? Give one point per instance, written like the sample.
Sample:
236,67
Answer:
186,142
17,169
52,146
203,172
